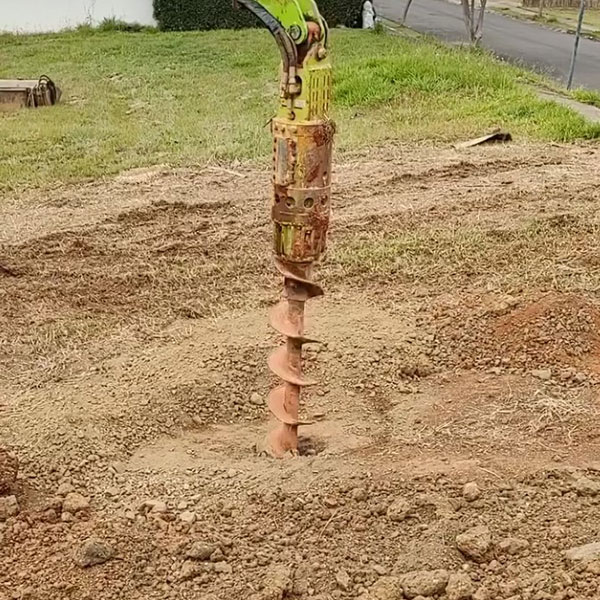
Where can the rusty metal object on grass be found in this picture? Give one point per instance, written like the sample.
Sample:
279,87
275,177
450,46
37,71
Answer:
496,136
28,93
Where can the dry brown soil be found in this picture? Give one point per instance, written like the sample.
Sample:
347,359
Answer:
462,344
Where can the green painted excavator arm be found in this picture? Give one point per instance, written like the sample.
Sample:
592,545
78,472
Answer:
302,36
292,15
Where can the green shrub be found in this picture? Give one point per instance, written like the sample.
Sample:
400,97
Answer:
113,24
186,15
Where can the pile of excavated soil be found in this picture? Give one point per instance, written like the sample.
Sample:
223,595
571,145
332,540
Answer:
552,332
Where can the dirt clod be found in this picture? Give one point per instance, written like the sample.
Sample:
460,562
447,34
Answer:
9,467
153,506
424,583
386,588
201,551
277,583
398,510
586,487
512,545
93,552
189,570
343,579
9,507
584,553
75,503
188,517
475,543
471,491
65,488
543,374
460,587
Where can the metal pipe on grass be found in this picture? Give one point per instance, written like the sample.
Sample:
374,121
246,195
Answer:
576,45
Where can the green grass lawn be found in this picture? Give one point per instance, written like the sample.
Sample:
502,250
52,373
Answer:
591,17
136,99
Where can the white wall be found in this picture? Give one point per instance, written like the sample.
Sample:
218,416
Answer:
28,16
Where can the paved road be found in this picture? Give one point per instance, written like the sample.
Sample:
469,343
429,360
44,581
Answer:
538,47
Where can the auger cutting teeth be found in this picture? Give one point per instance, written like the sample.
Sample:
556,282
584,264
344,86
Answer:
296,275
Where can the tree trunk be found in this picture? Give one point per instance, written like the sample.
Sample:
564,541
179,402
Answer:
479,29
474,24
467,15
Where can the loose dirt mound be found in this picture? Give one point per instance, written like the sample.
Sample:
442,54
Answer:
553,331
559,333
461,331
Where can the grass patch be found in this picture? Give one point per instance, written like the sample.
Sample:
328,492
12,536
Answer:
591,17
588,97
565,18
185,98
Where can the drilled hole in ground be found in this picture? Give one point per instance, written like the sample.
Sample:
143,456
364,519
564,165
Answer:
310,446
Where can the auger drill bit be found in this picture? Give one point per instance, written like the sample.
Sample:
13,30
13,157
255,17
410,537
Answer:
302,148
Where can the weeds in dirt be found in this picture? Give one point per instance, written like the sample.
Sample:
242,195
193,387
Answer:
512,417
182,98
536,252
539,414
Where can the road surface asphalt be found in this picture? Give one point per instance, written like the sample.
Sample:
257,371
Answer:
527,44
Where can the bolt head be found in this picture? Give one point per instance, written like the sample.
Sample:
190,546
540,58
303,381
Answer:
295,32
